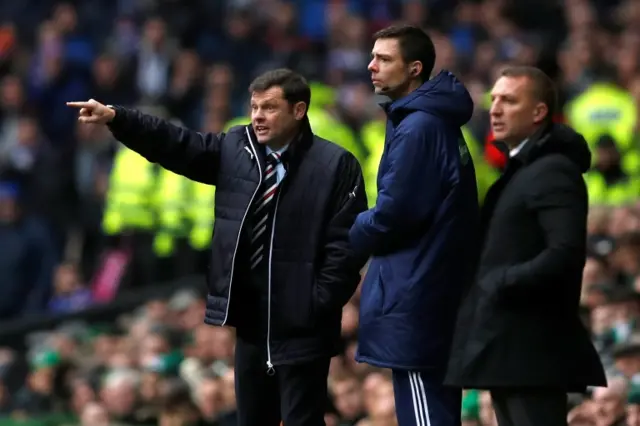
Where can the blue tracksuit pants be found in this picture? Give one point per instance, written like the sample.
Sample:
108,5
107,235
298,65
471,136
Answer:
423,402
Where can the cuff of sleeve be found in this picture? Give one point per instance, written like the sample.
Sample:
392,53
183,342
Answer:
356,240
119,118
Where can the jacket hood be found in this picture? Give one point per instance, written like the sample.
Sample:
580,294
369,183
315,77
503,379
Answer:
444,95
561,139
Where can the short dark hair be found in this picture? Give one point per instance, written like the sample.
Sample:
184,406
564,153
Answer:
543,87
294,86
415,45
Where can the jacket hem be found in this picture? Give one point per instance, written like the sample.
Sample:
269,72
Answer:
213,321
392,365
489,385
298,360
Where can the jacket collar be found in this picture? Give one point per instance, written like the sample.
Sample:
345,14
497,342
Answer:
294,154
531,150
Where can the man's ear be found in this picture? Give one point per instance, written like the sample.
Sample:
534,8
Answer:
540,112
415,69
299,110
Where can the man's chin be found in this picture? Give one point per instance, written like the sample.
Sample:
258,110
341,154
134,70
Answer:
500,135
263,140
384,91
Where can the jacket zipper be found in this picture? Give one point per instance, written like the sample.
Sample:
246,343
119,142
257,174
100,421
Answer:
270,368
244,217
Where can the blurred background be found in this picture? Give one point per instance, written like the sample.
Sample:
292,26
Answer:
102,255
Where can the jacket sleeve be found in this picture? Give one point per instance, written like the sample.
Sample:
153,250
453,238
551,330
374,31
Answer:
186,152
558,197
339,273
408,192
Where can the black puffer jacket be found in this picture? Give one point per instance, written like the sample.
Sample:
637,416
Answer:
313,270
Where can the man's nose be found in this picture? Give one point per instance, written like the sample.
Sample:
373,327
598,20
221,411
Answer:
372,66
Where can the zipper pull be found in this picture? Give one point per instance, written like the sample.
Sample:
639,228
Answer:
352,194
249,151
271,371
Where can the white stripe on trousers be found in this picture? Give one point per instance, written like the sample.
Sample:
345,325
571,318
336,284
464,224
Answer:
419,396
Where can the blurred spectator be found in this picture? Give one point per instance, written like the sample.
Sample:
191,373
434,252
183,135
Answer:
110,81
27,259
69,292
120,396
609,403
37,397
348,399
94,414
154,60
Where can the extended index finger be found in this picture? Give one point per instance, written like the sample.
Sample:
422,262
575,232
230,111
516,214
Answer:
79,104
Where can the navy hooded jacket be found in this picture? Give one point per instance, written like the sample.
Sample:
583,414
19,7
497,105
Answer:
422,234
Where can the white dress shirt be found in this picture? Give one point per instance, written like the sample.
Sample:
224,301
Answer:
280,170
518,148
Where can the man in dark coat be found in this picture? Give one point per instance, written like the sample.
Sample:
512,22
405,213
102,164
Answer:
281,267
421,232
519,333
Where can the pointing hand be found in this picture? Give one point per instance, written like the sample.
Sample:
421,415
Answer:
93,112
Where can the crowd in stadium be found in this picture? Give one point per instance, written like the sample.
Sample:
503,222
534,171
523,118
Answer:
83,218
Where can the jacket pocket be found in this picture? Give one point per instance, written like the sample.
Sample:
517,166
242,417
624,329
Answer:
381,292
494,286
372,297
493,281
293,304
389,289
322,302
